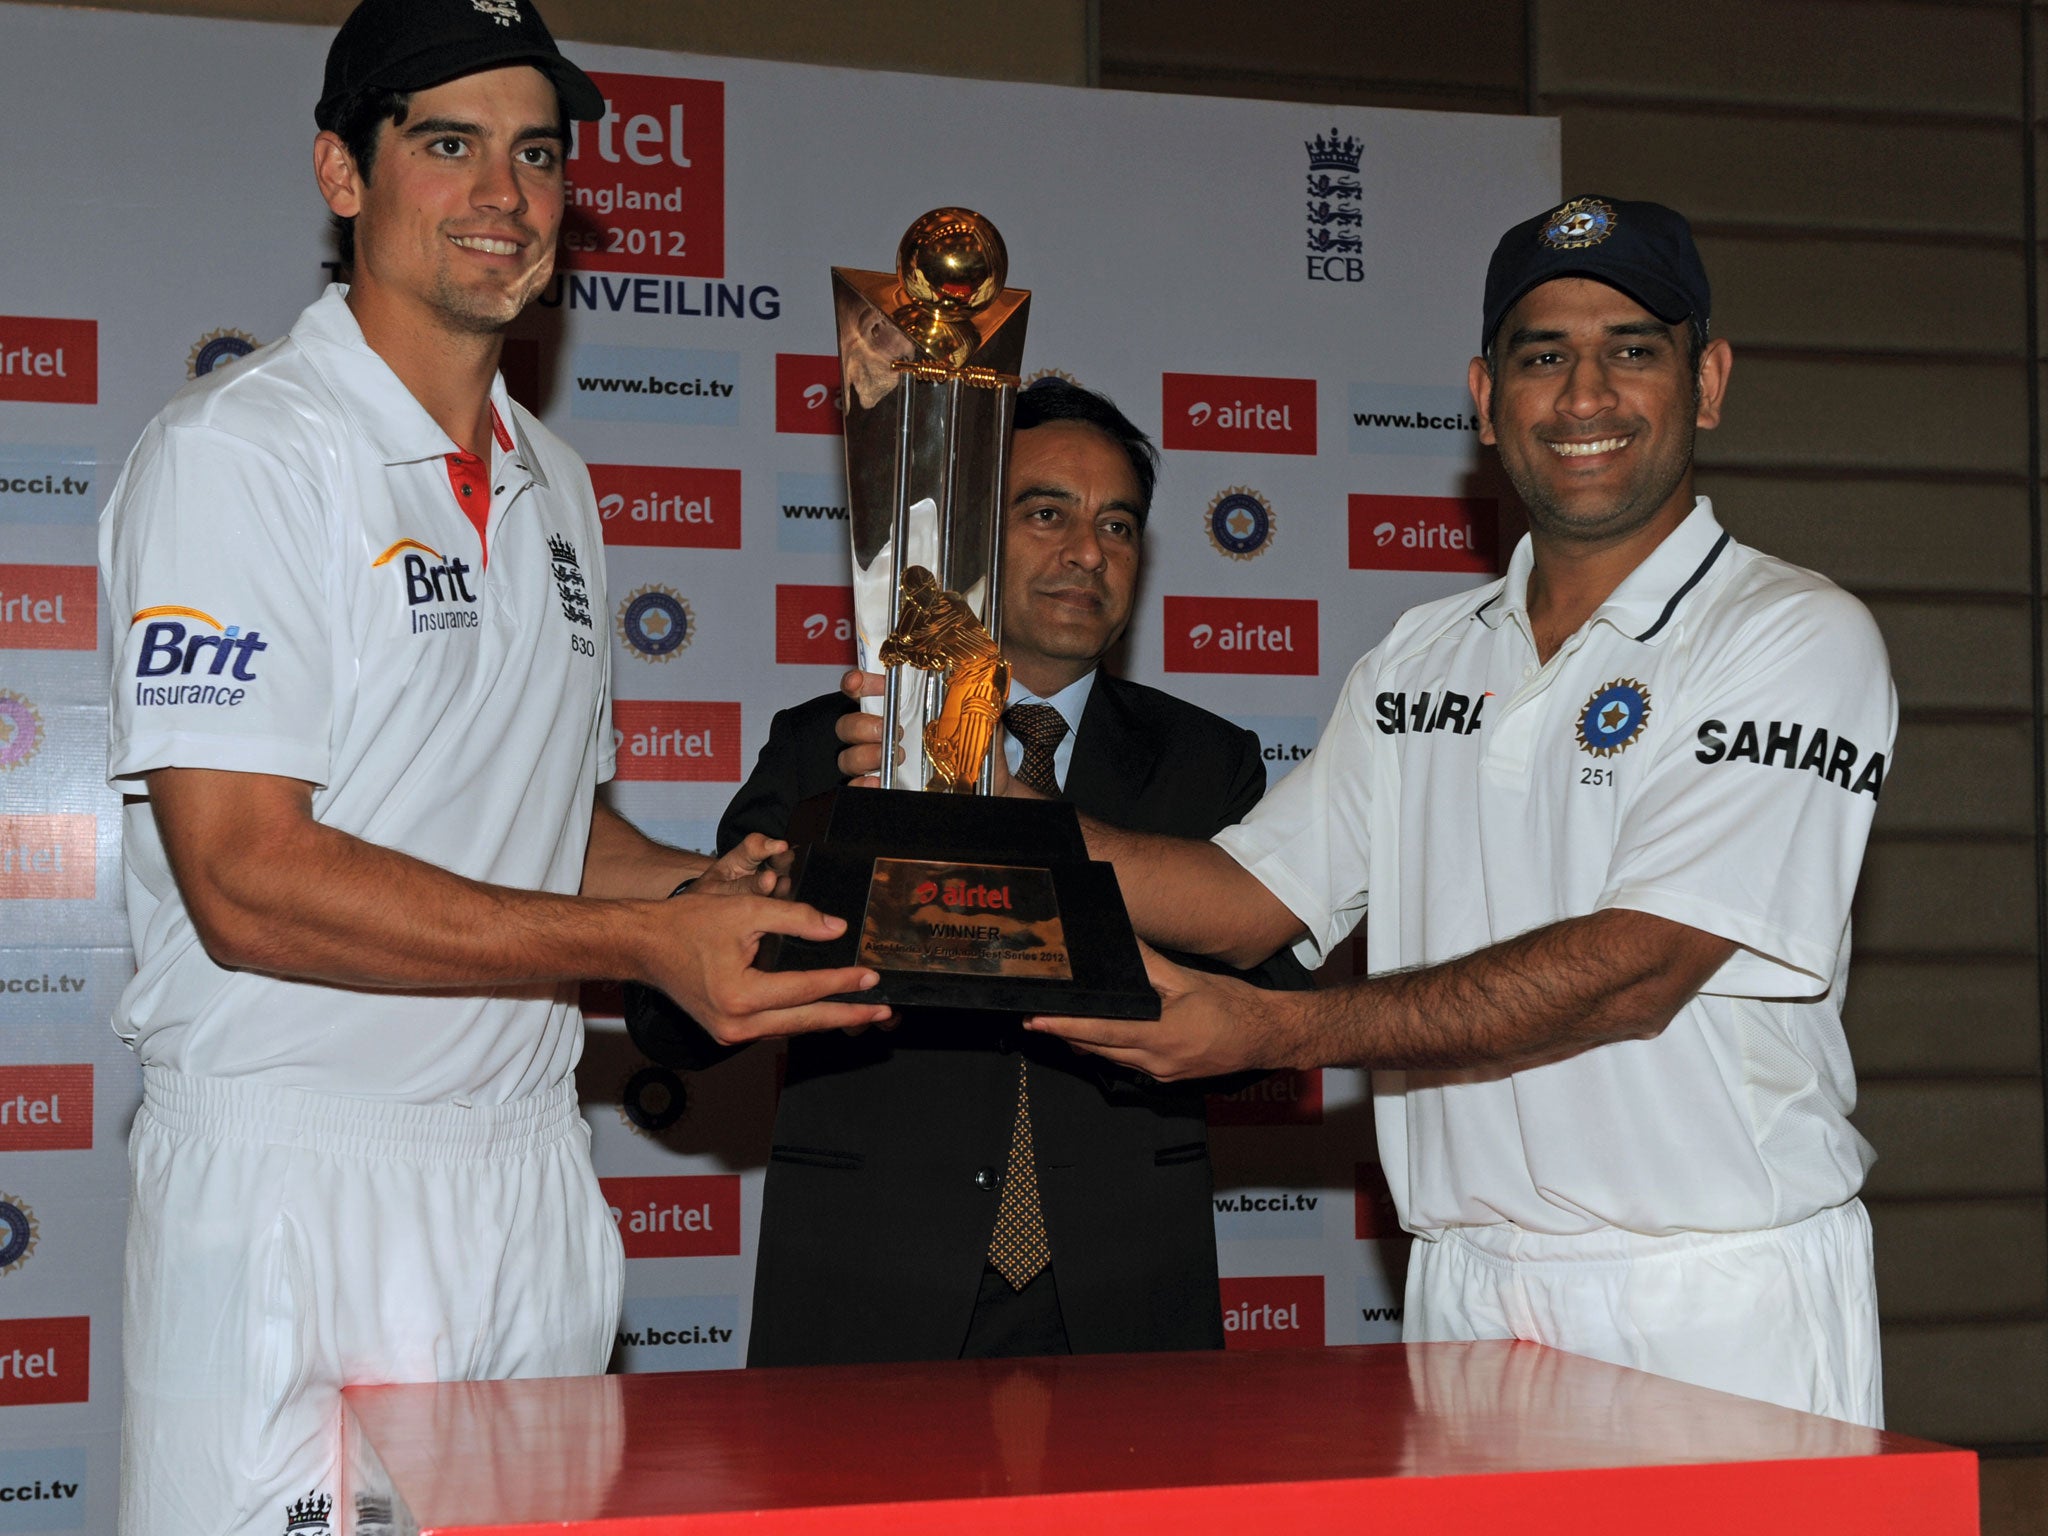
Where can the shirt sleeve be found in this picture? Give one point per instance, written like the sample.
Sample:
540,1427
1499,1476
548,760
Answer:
1308,841
1751,821
214,559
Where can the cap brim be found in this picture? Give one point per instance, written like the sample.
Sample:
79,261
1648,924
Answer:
582,101
1646,288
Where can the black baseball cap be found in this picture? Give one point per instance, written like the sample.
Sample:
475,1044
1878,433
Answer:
408,45
1644,249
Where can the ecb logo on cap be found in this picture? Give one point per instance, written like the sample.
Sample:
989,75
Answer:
1240,523
1614,717
656,624
1579,223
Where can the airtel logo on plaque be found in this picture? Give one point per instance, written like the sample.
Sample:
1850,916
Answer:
1425,533
1242,634
1225,413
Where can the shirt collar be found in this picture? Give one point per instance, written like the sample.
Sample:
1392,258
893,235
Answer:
1643,605
397,426
1070,701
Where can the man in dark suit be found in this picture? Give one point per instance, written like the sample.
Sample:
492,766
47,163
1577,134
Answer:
900,1219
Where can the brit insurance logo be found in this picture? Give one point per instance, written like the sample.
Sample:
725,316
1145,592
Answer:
656,623
217,349
18,1233
179,642
1336,218
1240,523
438,595
21,730
1614,717
646,181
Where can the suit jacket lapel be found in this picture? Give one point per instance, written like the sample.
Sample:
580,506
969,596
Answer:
1113,758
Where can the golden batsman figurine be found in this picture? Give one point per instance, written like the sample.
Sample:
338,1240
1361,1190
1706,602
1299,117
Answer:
937,631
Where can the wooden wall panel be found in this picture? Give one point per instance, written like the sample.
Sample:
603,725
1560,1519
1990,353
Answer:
1931,1259
1873,531
1943,1016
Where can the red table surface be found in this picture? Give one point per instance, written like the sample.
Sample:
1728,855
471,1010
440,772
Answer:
1461,1436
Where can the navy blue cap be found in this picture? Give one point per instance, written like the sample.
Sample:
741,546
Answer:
408,45
1644,249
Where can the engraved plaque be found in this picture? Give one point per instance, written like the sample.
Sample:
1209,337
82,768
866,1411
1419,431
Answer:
966,919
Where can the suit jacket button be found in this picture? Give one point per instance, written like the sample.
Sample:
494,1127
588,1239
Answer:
985,1178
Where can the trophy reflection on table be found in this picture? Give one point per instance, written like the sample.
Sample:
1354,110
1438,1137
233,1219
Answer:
958,898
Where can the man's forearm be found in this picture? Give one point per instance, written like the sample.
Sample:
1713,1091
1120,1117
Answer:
1188,894
1587,981
270,889
622,861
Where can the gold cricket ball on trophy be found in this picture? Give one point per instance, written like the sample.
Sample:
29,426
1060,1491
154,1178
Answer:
952,260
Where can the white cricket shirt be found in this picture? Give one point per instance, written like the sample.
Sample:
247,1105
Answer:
1709,747
309,599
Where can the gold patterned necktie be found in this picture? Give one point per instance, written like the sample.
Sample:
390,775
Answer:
1041,729
1018,1250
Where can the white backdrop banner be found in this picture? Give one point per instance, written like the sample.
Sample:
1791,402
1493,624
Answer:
1284,296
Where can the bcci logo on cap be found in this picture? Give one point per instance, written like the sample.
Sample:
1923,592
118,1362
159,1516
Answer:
18,1233
1240,523
1582,222
656,624
21,730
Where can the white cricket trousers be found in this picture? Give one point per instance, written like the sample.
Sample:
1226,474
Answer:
285,1244
1788,1315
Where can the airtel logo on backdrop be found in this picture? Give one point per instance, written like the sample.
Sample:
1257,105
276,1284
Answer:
806,390
1272,1311
814,626
675,508
1227,413
1242,634
646,182
677,740
1425,533
1282,1098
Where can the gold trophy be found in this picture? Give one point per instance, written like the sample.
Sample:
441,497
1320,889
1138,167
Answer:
959,899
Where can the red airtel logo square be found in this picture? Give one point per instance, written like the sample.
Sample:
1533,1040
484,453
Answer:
46,1107
1242,634
53,362
1226,413
669,507
814,626
45,1360
1291,1097
679,1216
49,608
1425,533
807,394
646,182
48,856
677,740
1272,1311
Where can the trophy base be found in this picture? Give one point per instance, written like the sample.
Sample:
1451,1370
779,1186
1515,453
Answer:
964,902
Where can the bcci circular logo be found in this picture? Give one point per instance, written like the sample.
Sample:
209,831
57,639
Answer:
655,623
1241,523
217,348
1614,717
653,1099
1579,223
18,1233
21,730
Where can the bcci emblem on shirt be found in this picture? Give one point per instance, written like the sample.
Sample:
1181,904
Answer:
1614,717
